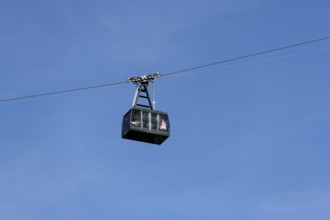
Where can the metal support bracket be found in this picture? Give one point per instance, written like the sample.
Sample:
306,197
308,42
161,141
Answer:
141,91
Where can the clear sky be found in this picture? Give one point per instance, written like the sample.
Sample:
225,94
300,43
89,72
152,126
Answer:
250,139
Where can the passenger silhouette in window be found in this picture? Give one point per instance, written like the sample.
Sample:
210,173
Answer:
135,122
163,125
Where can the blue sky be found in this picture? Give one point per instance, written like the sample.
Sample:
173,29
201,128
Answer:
250,139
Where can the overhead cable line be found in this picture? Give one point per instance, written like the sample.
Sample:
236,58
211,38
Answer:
61,92
166,74
247,56
197,71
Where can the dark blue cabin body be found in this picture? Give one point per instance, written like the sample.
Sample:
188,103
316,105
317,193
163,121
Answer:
146,125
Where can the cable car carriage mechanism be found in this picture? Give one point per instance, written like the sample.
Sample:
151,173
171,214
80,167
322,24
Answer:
143,122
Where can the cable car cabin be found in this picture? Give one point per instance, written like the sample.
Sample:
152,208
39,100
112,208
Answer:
146,125
142,122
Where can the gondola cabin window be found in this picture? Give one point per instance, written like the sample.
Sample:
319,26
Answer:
146,125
